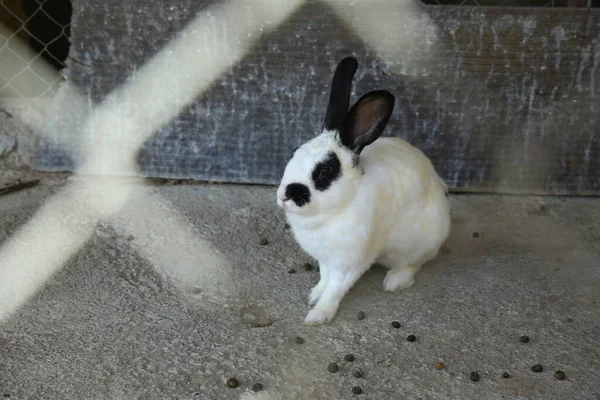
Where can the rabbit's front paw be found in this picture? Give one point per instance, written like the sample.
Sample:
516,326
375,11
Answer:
316,292
320,315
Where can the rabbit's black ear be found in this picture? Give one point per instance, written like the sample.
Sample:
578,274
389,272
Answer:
339,98
366,120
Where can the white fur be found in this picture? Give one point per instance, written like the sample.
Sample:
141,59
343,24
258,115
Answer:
395,213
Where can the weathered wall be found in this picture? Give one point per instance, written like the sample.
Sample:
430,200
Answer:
509,104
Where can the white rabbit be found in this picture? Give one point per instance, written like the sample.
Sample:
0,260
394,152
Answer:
350,205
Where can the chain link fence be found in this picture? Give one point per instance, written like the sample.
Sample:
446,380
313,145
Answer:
34,44
34,41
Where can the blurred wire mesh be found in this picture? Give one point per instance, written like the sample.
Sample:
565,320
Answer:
34,41
34,44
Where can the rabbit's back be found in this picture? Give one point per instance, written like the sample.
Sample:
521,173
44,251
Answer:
412,207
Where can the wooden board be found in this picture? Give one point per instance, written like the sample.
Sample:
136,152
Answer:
510,103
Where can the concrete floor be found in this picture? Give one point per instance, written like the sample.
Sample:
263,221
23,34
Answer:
113,324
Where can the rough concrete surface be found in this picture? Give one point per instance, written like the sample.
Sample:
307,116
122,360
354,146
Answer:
17,141
113,325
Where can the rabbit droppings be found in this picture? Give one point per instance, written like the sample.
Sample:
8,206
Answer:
350,205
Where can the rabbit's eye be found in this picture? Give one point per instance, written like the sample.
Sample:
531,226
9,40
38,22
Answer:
325,171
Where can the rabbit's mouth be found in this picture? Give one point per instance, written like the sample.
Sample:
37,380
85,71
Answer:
286,204
289,206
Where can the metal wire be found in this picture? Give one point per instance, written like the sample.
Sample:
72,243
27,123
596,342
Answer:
29,59
24,55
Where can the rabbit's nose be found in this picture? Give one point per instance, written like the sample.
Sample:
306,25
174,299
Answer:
281,201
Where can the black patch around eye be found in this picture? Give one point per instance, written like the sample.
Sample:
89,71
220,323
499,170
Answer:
327,171
298,193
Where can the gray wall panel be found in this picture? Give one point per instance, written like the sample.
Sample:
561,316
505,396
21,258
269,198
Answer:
509,104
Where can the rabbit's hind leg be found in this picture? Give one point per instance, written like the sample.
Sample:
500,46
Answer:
401,275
